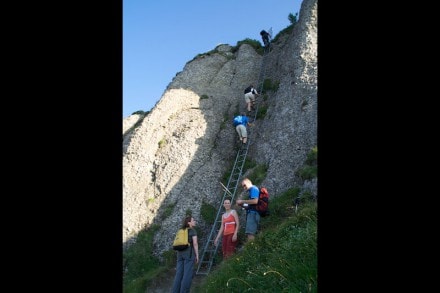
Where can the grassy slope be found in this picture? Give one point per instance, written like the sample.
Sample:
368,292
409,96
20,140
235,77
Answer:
283,258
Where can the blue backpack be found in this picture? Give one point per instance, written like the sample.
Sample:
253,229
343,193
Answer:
237,120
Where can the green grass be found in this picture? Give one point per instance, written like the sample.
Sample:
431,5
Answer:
269,85
262,110
258,174
162,143
139,265
248,164
168,211
208,213
310,168
282,258
253,43
140,112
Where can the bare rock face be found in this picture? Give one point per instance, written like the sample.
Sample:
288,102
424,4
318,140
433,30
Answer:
175,158
130,121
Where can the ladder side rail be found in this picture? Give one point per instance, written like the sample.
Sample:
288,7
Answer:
209,239
238,165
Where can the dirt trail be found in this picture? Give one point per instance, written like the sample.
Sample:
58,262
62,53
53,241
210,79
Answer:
164,283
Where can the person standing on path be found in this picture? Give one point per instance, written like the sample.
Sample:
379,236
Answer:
229,229
186,259
252,216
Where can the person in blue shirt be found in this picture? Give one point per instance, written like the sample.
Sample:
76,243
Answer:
252,216
240,127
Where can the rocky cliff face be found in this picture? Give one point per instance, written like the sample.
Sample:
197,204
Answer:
175,157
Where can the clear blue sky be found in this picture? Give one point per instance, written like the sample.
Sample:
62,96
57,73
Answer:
160,37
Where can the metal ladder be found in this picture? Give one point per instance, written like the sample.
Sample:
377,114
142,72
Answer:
262,74
209,249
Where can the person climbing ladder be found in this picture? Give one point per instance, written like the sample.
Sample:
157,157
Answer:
240,123
250,94
265,36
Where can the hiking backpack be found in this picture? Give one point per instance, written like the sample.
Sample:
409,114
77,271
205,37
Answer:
237,120
181,240
262,207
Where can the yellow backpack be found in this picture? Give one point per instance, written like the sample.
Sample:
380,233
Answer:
181,240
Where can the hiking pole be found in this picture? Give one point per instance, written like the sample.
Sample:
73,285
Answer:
224,187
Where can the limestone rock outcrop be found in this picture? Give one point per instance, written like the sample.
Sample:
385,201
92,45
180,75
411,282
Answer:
174,159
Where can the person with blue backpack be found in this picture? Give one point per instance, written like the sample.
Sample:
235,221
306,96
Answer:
241,122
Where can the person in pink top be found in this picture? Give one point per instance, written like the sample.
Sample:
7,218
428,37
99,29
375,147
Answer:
229,229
